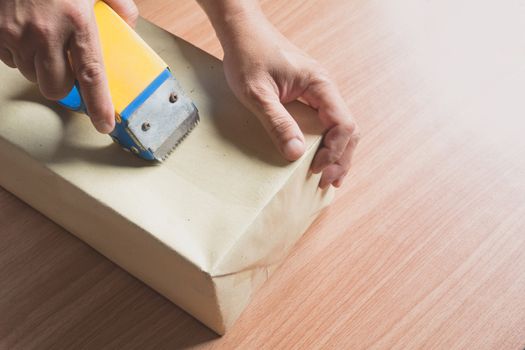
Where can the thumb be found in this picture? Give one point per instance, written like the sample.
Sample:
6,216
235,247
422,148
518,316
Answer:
280,125
125,9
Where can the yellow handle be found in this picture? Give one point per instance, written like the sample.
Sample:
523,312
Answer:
131,65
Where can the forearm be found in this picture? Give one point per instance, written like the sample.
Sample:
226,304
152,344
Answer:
232,18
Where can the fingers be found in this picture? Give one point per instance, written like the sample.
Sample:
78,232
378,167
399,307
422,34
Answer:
53,72
7,57
333,148
335,154
88,68
333,159
280,125
323,95
25,62
335,173
331,174
126,9
35,37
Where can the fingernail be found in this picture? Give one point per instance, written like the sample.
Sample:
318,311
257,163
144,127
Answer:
293,149
103,126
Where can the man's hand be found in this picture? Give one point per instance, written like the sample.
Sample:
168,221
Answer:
265,70
55,42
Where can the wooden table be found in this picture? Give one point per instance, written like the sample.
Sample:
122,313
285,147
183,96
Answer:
424,246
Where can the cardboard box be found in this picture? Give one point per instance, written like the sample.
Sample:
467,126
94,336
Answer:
206,227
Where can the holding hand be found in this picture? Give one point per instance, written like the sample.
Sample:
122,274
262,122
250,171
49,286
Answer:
266,71
53,43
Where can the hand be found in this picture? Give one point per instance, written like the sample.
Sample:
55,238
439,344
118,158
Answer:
53,43
264,71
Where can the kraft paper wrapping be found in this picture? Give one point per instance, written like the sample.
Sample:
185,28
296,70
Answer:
206,227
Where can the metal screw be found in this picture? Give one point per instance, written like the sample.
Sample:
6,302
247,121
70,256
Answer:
173,97
146,126
134,150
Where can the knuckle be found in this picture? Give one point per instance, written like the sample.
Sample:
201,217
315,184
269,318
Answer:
321,82
351,127
42,31
320,75
10,32
76,16
324,81
334,155
279,127
254,91
323,75
90,73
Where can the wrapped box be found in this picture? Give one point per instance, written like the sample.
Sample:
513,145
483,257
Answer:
206,227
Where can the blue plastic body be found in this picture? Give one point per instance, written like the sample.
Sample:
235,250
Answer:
121,133
74,100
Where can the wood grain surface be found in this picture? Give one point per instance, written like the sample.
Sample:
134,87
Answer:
424,246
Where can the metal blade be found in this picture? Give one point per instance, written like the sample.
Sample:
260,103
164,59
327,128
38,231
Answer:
164,119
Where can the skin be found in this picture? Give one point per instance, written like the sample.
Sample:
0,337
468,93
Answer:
54,42
36,36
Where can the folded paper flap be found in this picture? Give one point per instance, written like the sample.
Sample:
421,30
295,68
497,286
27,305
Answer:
198,201
266,241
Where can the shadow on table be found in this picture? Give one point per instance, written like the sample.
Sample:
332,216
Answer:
56,292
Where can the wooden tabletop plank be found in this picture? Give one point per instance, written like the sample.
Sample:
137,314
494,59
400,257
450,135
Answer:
424,246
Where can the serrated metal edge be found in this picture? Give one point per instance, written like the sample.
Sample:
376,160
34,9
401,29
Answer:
179,141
